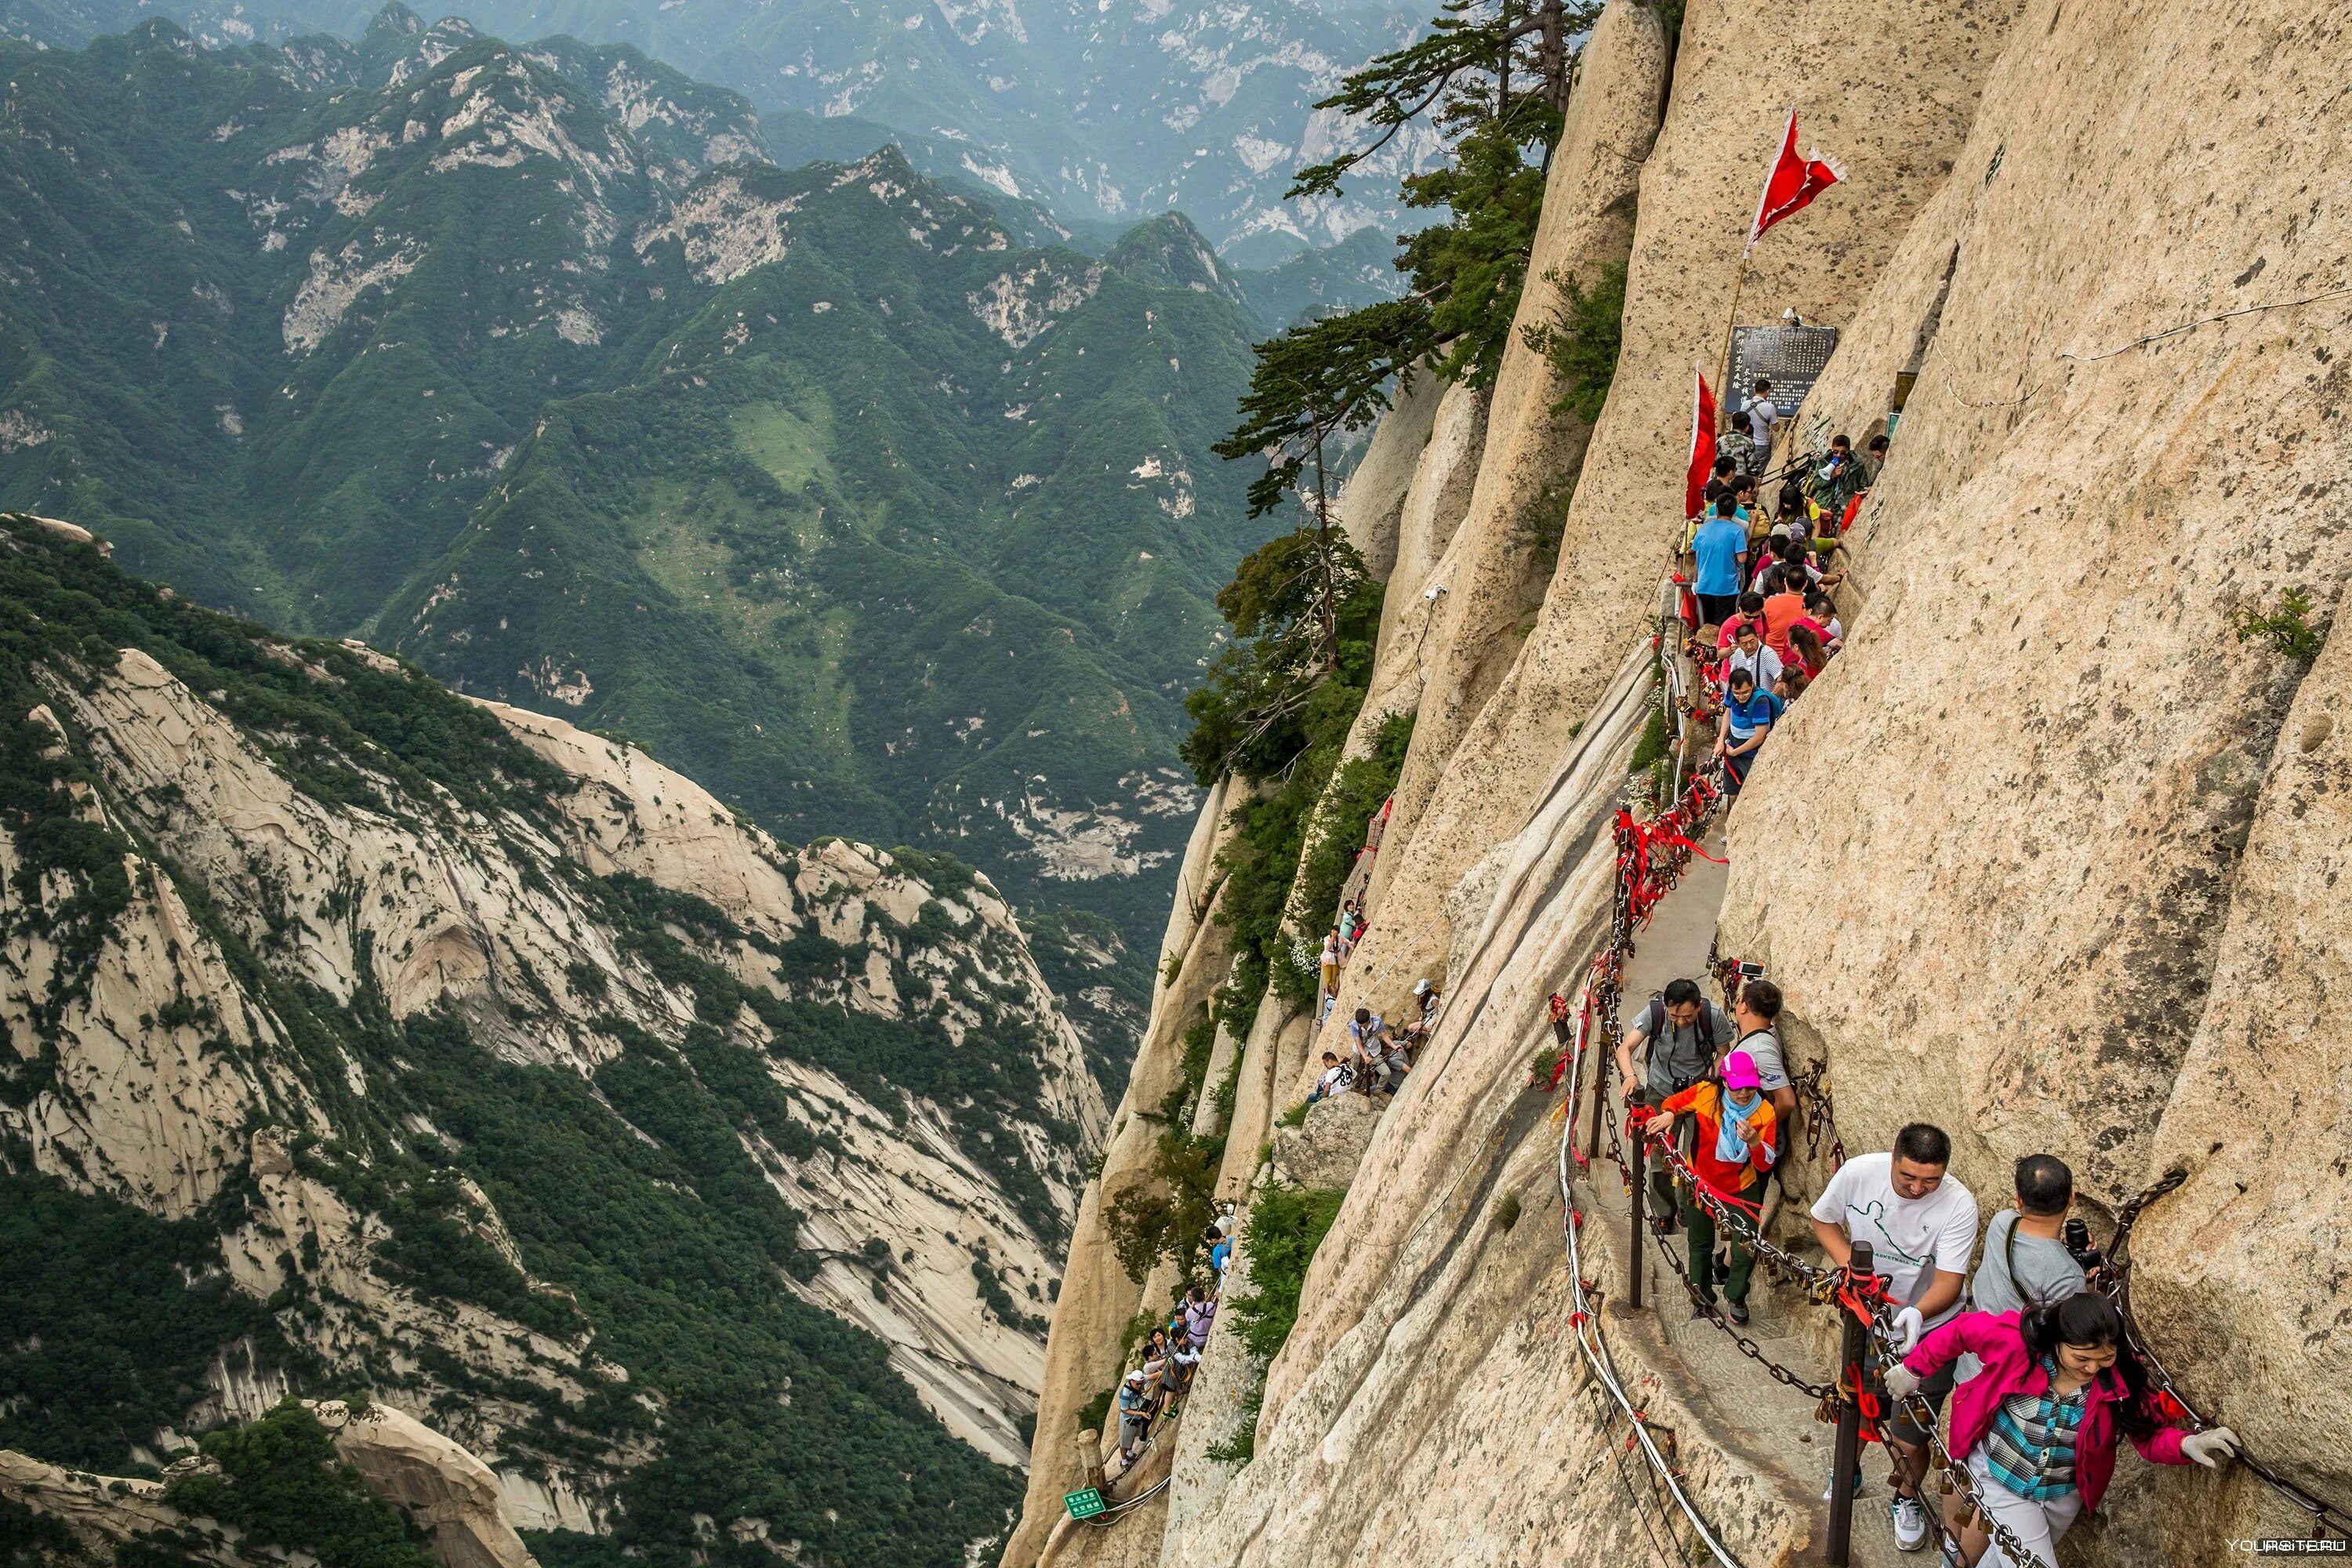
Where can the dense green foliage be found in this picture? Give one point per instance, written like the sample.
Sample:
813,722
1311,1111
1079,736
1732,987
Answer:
1492,77
1582,339
1283,1228
676,1252
128,1310
1269,714
1286,1224
281,1482
2286,630
1362,786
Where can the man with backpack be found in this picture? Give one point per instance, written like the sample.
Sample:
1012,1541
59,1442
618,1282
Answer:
1748,714
1680,1035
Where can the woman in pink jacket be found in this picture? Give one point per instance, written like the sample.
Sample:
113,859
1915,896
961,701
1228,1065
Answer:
2037,1428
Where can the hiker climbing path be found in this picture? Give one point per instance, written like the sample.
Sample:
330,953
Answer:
1670,882
1742,1407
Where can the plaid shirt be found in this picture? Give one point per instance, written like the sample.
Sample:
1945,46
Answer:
2029,1448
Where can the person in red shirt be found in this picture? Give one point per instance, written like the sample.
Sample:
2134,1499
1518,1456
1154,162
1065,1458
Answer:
1737,1136
1784,607
1751,613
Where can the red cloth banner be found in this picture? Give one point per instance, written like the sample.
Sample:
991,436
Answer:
1793,182
1702,454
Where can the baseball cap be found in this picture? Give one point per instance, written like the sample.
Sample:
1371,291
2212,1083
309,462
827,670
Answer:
1739,1071
1421,987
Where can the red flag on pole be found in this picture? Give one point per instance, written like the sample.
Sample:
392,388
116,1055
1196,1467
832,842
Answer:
1793,182
1702,453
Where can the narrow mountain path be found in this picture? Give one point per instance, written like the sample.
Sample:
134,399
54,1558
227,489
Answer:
1742,1405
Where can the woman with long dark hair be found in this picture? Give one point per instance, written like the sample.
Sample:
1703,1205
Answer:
2037,1428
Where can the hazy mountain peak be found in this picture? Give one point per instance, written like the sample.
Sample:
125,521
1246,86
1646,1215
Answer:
1169,251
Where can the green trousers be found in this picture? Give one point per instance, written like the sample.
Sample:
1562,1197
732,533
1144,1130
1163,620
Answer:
1700,1226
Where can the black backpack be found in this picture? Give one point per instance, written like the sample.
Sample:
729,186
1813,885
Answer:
1653,1025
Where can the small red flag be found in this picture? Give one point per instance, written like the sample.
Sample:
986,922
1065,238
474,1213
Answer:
1794,182
1702,453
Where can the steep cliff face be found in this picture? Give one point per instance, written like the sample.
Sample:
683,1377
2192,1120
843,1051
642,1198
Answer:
2046,718
2047,856
474,1039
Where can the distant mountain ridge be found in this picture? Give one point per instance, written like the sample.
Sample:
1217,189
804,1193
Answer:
1106,111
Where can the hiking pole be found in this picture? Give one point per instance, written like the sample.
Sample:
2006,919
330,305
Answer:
1854,1356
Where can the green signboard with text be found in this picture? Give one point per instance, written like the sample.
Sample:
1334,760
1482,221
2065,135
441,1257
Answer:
1085,1504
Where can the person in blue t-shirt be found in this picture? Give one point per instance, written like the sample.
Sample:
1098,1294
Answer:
1748,714
1721,548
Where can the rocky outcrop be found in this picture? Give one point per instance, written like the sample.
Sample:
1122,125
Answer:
450,1496
2048,856
1324,1149
444,1492
2149,808
1503,712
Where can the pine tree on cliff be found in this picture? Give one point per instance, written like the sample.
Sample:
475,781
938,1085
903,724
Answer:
1291,601
1493,75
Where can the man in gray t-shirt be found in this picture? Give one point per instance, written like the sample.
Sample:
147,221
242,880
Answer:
1682,1036
2025,1255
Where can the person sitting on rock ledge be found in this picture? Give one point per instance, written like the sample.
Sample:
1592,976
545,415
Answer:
1338,1078
1368,1047
1429,999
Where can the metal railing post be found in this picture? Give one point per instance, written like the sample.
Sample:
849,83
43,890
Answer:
1853,1351
1600,1101
1639,1154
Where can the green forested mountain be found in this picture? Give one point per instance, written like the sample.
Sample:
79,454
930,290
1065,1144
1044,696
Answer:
356,1038
820,483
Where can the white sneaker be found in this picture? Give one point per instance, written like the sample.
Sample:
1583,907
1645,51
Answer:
1910,1524
1828,1491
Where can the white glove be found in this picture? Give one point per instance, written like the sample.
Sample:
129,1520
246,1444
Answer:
2211,1446
1901,1382
1908,1326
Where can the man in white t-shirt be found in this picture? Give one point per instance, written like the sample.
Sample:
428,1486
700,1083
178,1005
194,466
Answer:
1921,1225
1762,416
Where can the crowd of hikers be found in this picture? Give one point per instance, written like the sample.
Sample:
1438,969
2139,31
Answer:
1762,622
2034,1361
2040,1377
1153,1390
1379,1053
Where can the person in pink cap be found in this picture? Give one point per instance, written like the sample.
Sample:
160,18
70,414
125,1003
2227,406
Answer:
1737,1137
